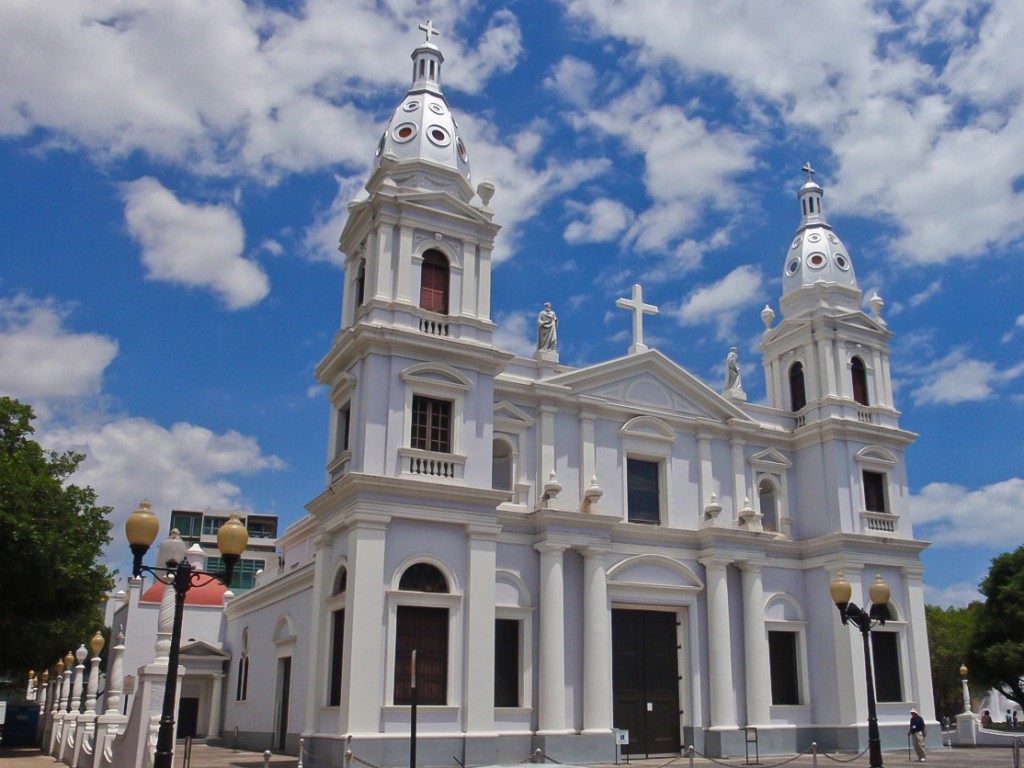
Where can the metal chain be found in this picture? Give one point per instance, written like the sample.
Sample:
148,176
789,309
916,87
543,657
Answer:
850,760
349,755
538,753
762,765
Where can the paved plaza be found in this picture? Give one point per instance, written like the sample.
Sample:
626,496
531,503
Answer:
204,756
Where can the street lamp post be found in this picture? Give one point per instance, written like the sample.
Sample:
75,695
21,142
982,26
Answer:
174,569
841,591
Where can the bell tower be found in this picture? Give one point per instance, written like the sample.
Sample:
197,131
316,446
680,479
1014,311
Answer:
414,358
827,357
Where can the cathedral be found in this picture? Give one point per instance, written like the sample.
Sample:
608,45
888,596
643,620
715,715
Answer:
582,561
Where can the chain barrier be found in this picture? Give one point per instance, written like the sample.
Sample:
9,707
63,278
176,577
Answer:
762,765
350,756
850,760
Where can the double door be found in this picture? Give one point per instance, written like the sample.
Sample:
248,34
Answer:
645,680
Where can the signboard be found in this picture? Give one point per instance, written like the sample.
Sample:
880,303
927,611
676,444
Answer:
621,737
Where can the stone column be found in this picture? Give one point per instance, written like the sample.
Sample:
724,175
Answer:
723,695
164,625
478,639
213,723
597,643
362,685
755,642
322,572
115,680
551,703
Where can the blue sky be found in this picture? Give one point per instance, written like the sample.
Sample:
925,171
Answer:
175,179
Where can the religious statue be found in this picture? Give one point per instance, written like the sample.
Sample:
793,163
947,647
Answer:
732,371
547,328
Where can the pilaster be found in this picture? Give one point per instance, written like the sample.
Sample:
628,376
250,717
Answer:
551,699
755,644
478,640
723,695
597,645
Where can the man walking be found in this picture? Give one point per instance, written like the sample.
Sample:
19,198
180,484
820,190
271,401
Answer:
917,734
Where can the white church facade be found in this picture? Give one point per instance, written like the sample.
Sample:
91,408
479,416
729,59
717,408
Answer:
574,551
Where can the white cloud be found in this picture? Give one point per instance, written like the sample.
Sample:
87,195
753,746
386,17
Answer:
929,140
574,80
951,515
516,332
1006,337
957,378
958,595
602,221
186,466
195,245
41,360
226,87
721,301
321,237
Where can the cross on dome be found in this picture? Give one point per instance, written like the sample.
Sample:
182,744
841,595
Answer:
428,29
639,309
806,169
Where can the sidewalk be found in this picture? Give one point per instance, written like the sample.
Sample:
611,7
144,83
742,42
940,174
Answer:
204,756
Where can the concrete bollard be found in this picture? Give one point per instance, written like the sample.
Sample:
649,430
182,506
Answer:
266,759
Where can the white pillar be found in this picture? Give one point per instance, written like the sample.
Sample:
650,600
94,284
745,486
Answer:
478,640
917,628
76,693
739,477
164,625
551,704
588,453
322,567
723,696
755,645
597,643
362,684
213,724
546,446
93,684
707,482
849,651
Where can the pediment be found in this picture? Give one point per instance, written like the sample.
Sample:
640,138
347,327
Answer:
770,460
649,382
442,202
201,649
508,417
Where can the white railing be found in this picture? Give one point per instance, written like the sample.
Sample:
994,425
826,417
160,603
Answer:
434,326
338,468
878,522
431,464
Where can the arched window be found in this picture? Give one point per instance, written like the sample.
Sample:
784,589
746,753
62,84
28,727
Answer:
860,380
337,637
501,466
425,630
434,283
769,504
797,393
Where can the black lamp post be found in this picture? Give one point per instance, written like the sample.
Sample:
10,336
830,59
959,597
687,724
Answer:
841,592
142,528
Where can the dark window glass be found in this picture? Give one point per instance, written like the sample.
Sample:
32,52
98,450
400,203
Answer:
244,576
423,577
361,284
642,491
506,663
860,381
431,424
424,630
783,662
342,583
434,283
188,525
874,491
341,438
242,690
886,657
337,654
797,393
212,524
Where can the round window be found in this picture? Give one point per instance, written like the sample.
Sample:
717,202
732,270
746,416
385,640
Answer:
437,109
832,238
462,150
411,106
842,262
793,266
797,241
380,144
813,237
816,260
439,136
404,132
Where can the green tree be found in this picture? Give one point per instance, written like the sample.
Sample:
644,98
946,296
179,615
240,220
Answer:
52,535
949,642
997,648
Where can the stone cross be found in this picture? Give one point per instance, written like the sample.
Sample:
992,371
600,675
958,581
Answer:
639,309
428,29
806,169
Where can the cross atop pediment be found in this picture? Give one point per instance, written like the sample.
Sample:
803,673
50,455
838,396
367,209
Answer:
639,309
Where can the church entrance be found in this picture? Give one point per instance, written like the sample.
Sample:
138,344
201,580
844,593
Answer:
645,680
